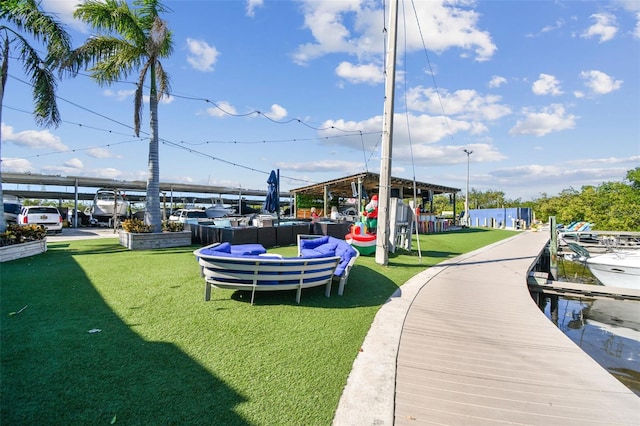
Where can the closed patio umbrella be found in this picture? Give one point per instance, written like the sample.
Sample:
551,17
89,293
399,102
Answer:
272,202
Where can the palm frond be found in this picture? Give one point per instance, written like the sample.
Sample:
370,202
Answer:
163,81
148,10
112,16
43,81
44,86
138,98
27,17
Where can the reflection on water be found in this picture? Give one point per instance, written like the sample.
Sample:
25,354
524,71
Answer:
607,330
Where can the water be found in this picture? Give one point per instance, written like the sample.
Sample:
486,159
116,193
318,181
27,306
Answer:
607,330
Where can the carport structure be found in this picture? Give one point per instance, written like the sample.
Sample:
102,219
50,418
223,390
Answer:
347,187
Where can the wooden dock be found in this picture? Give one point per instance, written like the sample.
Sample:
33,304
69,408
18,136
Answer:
464,343
545,286
475,349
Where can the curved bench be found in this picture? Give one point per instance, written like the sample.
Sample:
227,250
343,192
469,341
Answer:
308,244
230,267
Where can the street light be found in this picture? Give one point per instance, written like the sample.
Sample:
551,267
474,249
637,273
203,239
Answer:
466,199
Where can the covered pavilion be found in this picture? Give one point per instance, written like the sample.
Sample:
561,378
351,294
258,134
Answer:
347,187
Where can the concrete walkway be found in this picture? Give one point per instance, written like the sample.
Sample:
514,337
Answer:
464,343
70,234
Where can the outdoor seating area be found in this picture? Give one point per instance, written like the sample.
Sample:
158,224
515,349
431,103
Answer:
283,234
348,255
249,266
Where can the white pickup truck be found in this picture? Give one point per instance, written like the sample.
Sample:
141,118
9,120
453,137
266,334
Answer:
193,216
47,216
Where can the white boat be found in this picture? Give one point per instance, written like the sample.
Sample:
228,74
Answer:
108,203
218,209
616,269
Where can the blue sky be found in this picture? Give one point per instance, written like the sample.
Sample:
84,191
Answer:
545,93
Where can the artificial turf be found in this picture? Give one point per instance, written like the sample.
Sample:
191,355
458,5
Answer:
110,335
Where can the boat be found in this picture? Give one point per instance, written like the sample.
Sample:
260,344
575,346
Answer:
108,203
218,209
616,268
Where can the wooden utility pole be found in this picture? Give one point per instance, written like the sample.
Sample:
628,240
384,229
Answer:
383,231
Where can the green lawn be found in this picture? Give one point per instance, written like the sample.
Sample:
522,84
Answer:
164,356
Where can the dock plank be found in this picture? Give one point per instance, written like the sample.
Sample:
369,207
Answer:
475,349
464,343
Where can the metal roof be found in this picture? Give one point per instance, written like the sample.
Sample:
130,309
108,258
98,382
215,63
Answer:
89,182
370,181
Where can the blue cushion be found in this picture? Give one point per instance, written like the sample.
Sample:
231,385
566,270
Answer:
247,249
328,249
220,248
311,254
313,242
346,253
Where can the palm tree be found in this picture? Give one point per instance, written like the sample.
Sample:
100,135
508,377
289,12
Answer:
131,39
20,19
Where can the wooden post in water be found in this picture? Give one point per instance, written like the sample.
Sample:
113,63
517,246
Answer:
553,249
553,309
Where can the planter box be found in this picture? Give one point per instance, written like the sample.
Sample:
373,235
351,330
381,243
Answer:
150,241
18,251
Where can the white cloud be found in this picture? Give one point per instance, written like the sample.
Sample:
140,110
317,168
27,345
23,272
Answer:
252,5
36,139
164,100
100,153
599,82
550,119
633,7
497,81
109,173
546,85
605,27
74,163
557,25
16,165
276,113
201,56
369,73
444,26
222,109
464,104
321,166
120,95
450,154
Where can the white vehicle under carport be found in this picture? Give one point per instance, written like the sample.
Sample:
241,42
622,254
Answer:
191,216
12,208
47,216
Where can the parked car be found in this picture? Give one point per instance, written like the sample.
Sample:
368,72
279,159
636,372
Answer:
11,210
47,216
189,216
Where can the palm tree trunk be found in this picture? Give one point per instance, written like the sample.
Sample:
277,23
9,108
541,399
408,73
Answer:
4,71
152,216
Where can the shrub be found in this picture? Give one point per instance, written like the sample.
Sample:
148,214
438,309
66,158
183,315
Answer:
136,226
16,234
172,226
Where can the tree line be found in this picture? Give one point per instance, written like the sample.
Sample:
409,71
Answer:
610,206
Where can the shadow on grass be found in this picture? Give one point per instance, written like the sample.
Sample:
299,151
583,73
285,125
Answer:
366,287
67,358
